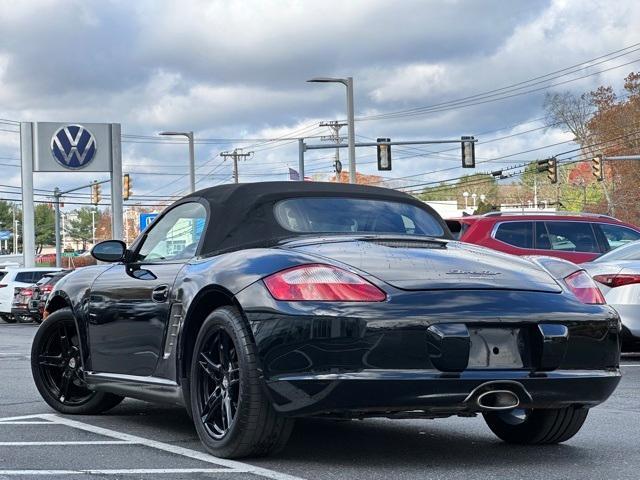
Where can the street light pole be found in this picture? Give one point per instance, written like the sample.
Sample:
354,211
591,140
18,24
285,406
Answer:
15,232
351,132
351,141
192,156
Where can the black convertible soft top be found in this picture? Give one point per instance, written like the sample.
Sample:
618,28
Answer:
242,215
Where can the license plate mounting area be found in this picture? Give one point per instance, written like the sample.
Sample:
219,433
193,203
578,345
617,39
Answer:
494,348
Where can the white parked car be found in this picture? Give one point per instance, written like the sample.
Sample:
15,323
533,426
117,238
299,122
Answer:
617,273
16,277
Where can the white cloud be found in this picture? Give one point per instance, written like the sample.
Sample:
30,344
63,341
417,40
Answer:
238,69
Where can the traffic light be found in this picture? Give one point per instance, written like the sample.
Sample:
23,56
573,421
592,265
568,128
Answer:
468,152
543,165
552,170
597,167
126,186
95,193
384,154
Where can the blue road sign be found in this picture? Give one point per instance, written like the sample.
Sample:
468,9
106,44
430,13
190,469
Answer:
146,219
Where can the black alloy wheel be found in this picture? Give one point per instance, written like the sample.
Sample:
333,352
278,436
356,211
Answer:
60,365
231,411
56,366
219,384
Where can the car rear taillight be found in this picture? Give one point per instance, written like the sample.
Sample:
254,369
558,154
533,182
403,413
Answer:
46,288
620,280
2,285
583,287
27,292
319,282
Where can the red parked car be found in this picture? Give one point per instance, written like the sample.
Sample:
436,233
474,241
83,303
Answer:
578,237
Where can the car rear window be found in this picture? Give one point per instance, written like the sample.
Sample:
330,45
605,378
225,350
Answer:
24,277
518,234
355,215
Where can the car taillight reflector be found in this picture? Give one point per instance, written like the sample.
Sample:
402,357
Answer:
614,281
322,283
583,287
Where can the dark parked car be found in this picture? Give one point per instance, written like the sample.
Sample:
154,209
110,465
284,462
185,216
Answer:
20,303
40,293
254,304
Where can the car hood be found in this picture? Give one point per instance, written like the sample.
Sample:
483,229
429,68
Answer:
419,264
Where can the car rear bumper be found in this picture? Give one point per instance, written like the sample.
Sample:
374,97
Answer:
419,351
427,393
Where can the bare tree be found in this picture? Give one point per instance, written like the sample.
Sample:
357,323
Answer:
570,110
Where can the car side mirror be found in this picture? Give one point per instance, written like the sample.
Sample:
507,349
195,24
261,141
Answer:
110,251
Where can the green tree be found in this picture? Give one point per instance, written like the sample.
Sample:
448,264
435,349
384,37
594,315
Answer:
81,227
45,226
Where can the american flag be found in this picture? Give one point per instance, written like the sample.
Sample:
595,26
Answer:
295,176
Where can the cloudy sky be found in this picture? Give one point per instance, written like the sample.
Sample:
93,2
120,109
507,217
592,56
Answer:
234,73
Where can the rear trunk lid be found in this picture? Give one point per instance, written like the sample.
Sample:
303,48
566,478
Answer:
424,264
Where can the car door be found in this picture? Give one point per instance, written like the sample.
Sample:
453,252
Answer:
130,303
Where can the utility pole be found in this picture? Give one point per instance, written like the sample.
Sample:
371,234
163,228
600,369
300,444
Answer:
335,137
60,220
93,225
235,155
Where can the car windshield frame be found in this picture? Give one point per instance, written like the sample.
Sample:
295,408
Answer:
336,218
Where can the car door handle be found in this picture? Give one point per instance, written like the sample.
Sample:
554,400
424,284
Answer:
160,293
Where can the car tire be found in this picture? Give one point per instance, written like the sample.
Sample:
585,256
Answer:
8,318
56,367
537,427
233,417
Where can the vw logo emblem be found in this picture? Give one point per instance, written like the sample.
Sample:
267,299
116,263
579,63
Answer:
73,146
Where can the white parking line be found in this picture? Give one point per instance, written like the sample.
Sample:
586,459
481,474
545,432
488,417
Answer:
70,442
26,422
230,466
132,471
631,365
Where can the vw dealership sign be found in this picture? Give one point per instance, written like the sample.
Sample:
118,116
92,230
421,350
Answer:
66,148
79,147
73,146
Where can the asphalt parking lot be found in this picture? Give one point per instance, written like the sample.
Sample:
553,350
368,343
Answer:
137,440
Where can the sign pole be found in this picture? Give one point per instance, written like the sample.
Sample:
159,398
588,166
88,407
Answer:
56,196
28,214
116,183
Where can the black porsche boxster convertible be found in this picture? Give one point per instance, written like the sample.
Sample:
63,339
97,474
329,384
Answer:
254,304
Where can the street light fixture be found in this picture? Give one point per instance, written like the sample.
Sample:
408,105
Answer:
192,161
347,82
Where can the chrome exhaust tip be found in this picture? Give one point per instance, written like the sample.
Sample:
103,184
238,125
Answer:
497,400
